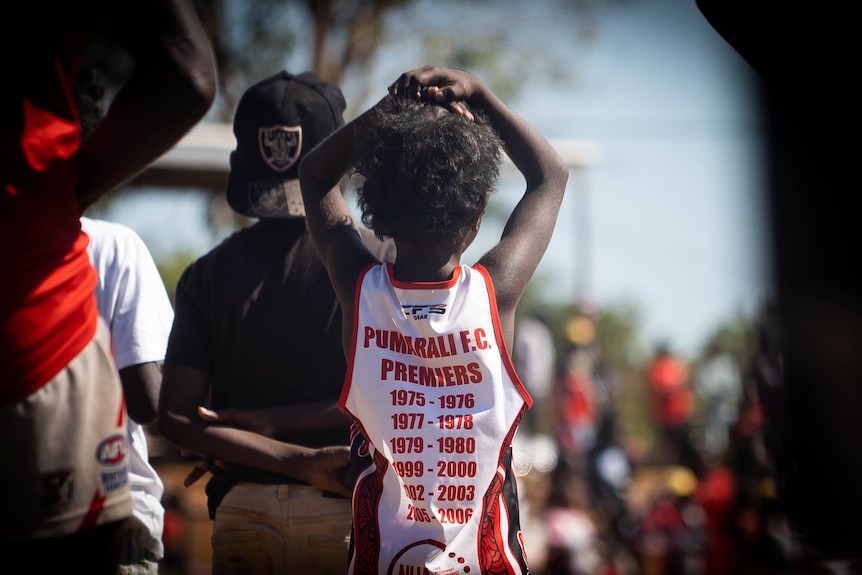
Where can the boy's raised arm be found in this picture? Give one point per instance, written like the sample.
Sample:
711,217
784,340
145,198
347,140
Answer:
330,221
528,230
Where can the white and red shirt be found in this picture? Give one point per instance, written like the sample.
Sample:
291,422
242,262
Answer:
431,387
133,301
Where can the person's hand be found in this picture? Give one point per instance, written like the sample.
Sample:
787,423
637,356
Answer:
202,466
326,469
256,420
445,86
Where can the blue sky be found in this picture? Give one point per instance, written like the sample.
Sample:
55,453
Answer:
676,221
672,200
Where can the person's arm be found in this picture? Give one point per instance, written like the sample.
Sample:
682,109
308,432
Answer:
528,230
187,385
330,221
132,298
184,389
270,422
280,421
171,88
141,383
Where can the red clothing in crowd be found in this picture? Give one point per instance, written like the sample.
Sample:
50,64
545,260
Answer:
672,395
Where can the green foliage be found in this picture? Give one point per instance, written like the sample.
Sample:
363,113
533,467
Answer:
171,268
625,357
250,41
619,335
101,208
620,350
632,403
738,336
338,38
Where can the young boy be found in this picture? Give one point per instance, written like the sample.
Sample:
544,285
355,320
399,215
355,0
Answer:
430,383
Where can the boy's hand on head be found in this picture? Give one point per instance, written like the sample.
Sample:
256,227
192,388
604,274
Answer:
444,86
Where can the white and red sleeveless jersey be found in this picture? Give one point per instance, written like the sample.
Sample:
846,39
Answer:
431,388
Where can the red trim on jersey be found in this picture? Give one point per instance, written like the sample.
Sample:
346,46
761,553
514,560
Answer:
121,414
345,388
91,519
444,284
501,341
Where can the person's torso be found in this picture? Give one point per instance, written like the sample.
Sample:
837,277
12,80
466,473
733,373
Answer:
133,301
258,313
433,388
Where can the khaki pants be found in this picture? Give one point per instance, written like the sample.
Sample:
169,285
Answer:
278,529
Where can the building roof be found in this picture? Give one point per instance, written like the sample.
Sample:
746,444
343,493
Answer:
202,159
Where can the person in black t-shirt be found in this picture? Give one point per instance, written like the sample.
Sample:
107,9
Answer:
257,333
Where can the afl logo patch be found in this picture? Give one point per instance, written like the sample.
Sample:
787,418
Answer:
112,450
280,146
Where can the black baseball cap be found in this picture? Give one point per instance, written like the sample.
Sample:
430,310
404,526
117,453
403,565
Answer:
277,121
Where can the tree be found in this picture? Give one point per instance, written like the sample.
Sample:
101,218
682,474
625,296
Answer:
343,40
738,335
351,42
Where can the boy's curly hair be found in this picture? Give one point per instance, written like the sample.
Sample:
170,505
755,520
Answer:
427,173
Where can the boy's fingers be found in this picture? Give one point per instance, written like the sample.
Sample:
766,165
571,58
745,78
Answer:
195,474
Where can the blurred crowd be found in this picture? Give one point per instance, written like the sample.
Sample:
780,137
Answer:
703,499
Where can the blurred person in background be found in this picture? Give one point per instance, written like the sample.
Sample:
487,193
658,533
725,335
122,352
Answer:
575,410
581,395
61,396
761,460
534,356
808,96
672,400
671,535
573,543
718,387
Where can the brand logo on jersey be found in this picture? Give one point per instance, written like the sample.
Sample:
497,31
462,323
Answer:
57,488
422,311
280,146
112,450
412,560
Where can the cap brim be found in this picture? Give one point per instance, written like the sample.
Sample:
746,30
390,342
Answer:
272,198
